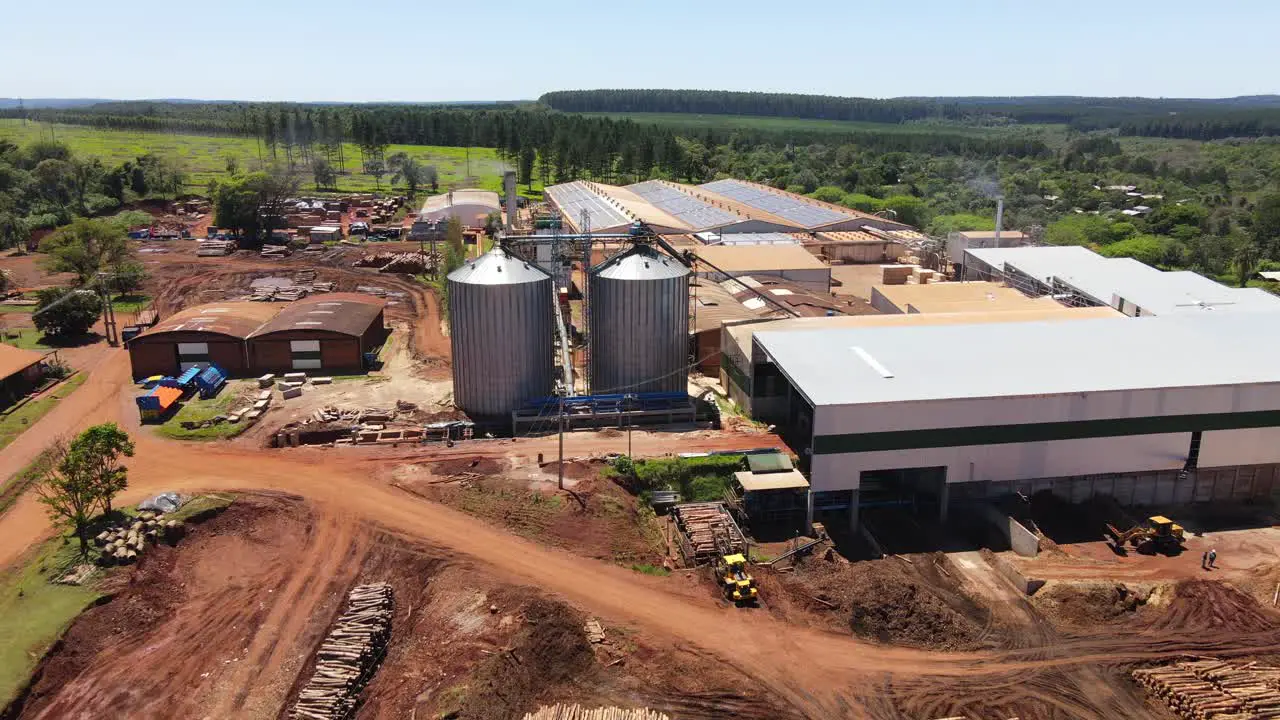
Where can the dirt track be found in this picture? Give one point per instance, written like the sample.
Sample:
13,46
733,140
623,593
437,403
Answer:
823,674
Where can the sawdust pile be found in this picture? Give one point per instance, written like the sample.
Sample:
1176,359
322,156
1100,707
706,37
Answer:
893,601
1088,604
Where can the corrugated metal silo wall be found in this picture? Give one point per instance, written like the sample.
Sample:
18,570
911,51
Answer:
502,346
639,335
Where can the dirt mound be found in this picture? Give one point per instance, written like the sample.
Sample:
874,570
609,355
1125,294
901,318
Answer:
482,466
551,650
891,601
1089,604
1213,606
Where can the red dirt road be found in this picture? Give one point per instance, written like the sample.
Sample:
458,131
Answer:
822,674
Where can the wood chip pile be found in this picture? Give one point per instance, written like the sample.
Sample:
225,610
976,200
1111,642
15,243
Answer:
1215,690
706,529
577,712
349,655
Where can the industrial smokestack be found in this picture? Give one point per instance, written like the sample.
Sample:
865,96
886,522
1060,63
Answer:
509,190
999,219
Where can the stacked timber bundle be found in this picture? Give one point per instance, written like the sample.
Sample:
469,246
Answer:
577,712
1215,690
708,530
414,263
216,248
894,274
274,251
349,655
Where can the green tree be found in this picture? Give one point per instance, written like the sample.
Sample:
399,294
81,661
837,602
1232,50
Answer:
68,493
86,247
1266,223
377,168
1245,258
908,209
1149,249
97,452
1166,219
828,193
127,277
859,201
325,176
1086,229
53,181
64,312
253,204
13,230
84,175
407,170
943,225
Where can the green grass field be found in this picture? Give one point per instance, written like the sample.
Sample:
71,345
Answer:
14,422
804,124
196,410
205,157
34,612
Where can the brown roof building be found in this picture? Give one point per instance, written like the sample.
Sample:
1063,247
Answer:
320,332
204,334
329,332
19,373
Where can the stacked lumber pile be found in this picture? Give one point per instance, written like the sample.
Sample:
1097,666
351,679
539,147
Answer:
372,290
577,712
349,655
414,263
707,528
216,248
894,274
275,251
1215,690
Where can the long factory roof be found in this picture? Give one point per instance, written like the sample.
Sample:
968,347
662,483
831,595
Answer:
801,211
1104,279
946,362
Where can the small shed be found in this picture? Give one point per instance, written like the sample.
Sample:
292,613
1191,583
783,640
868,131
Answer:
772,495
19,373
325,233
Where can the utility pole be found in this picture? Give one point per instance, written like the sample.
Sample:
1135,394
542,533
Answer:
628,400
560,465
108,312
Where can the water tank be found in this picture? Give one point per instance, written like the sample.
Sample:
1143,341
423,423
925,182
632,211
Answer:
639,323
500,321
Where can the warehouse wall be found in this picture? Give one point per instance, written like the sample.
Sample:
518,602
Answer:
158,354
884,304
273,353
880,437
813,279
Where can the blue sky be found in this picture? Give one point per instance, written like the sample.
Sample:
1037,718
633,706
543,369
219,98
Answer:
497,49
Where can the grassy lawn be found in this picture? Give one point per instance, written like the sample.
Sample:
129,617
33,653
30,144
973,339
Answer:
25,338
205,157
130,303
196,410
14,422
34,612
7,309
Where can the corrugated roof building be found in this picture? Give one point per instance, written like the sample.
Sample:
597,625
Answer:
19,373
787,262
327,332
1100,406
472,207
213,333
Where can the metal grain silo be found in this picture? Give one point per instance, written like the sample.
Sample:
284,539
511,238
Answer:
500,320
639,323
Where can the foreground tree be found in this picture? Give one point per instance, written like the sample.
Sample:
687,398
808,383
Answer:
97,451
87,247
65,312
407,170
83,476
253,204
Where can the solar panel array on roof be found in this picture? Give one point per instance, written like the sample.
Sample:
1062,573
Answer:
572,198
783,205
695,213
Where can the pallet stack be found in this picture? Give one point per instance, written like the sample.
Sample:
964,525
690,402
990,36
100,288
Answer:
894,274
577,712
349,656
1215,690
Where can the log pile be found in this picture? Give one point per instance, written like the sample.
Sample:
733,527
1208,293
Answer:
1215,690
708,530
349,656
577,712
123,543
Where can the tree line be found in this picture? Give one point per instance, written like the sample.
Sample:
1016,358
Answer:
1191,119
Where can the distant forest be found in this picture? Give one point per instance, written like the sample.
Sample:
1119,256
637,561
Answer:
1193,119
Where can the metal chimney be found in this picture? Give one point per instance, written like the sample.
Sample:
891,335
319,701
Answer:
509,191
999,219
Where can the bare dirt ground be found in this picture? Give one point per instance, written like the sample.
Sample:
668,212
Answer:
808,662
224,626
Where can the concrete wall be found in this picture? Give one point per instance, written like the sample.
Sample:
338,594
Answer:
883,304
272,353
813,279
1021,540
158,354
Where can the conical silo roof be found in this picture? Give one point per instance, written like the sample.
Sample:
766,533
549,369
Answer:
497,267
641,263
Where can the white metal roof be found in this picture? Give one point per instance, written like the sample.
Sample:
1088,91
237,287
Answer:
756,482
851,366
1107,280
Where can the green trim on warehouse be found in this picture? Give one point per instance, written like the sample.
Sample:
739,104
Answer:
1040,432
